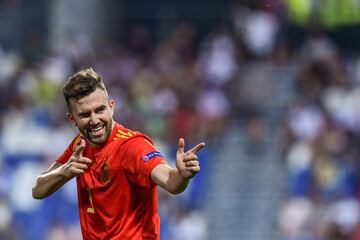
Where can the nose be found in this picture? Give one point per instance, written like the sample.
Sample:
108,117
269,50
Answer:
94,120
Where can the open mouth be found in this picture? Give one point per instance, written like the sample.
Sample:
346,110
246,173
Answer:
97,132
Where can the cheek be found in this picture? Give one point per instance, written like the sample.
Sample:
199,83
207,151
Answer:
107,116
81,123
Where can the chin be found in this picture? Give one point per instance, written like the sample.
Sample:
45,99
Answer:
98,141
103,139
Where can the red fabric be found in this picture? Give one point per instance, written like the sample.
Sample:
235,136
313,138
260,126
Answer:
123,202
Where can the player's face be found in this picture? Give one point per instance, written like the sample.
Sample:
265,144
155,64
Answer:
93,116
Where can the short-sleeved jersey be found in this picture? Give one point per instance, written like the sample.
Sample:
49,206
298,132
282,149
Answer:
116,195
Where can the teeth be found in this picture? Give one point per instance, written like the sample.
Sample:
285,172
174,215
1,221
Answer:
96,129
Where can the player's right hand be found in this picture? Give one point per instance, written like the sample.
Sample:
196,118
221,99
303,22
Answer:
77,164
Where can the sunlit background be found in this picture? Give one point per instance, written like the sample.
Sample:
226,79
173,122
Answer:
272,87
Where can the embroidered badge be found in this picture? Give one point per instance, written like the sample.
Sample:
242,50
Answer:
104,173
151,155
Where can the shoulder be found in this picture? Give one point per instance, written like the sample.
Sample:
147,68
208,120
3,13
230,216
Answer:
124,133
131,146
125,136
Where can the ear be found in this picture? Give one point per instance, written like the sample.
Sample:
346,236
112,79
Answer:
71,119
112,106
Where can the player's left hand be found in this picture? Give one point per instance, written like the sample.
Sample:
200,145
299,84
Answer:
187,163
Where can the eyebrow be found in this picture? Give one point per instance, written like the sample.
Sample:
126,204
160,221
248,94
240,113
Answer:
83,114
100,108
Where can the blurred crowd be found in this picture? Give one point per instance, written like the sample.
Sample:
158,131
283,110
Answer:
191,86
321,146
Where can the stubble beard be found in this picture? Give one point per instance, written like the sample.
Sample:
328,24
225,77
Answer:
98,141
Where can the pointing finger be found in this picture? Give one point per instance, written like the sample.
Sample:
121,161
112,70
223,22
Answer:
197,148
80,149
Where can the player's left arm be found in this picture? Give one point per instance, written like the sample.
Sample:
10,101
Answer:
175,180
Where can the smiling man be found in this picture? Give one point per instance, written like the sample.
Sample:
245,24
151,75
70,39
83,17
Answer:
117,170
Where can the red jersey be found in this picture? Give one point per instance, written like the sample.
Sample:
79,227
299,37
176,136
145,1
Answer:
116,195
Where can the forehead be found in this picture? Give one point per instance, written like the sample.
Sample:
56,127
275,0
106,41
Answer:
89,102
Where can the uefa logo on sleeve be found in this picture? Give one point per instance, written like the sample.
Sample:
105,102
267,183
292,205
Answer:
151,155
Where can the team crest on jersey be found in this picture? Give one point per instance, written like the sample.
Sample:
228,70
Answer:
151,155
104,173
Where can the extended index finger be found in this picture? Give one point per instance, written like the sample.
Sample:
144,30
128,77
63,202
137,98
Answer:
79,150
197,148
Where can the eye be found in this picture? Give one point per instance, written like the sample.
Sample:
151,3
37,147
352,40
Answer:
84,115
100,109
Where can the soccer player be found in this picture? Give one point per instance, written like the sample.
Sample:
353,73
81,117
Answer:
117,170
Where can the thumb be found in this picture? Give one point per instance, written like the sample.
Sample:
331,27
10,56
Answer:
181,145
80,149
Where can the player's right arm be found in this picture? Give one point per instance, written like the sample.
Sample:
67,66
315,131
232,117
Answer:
58,174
